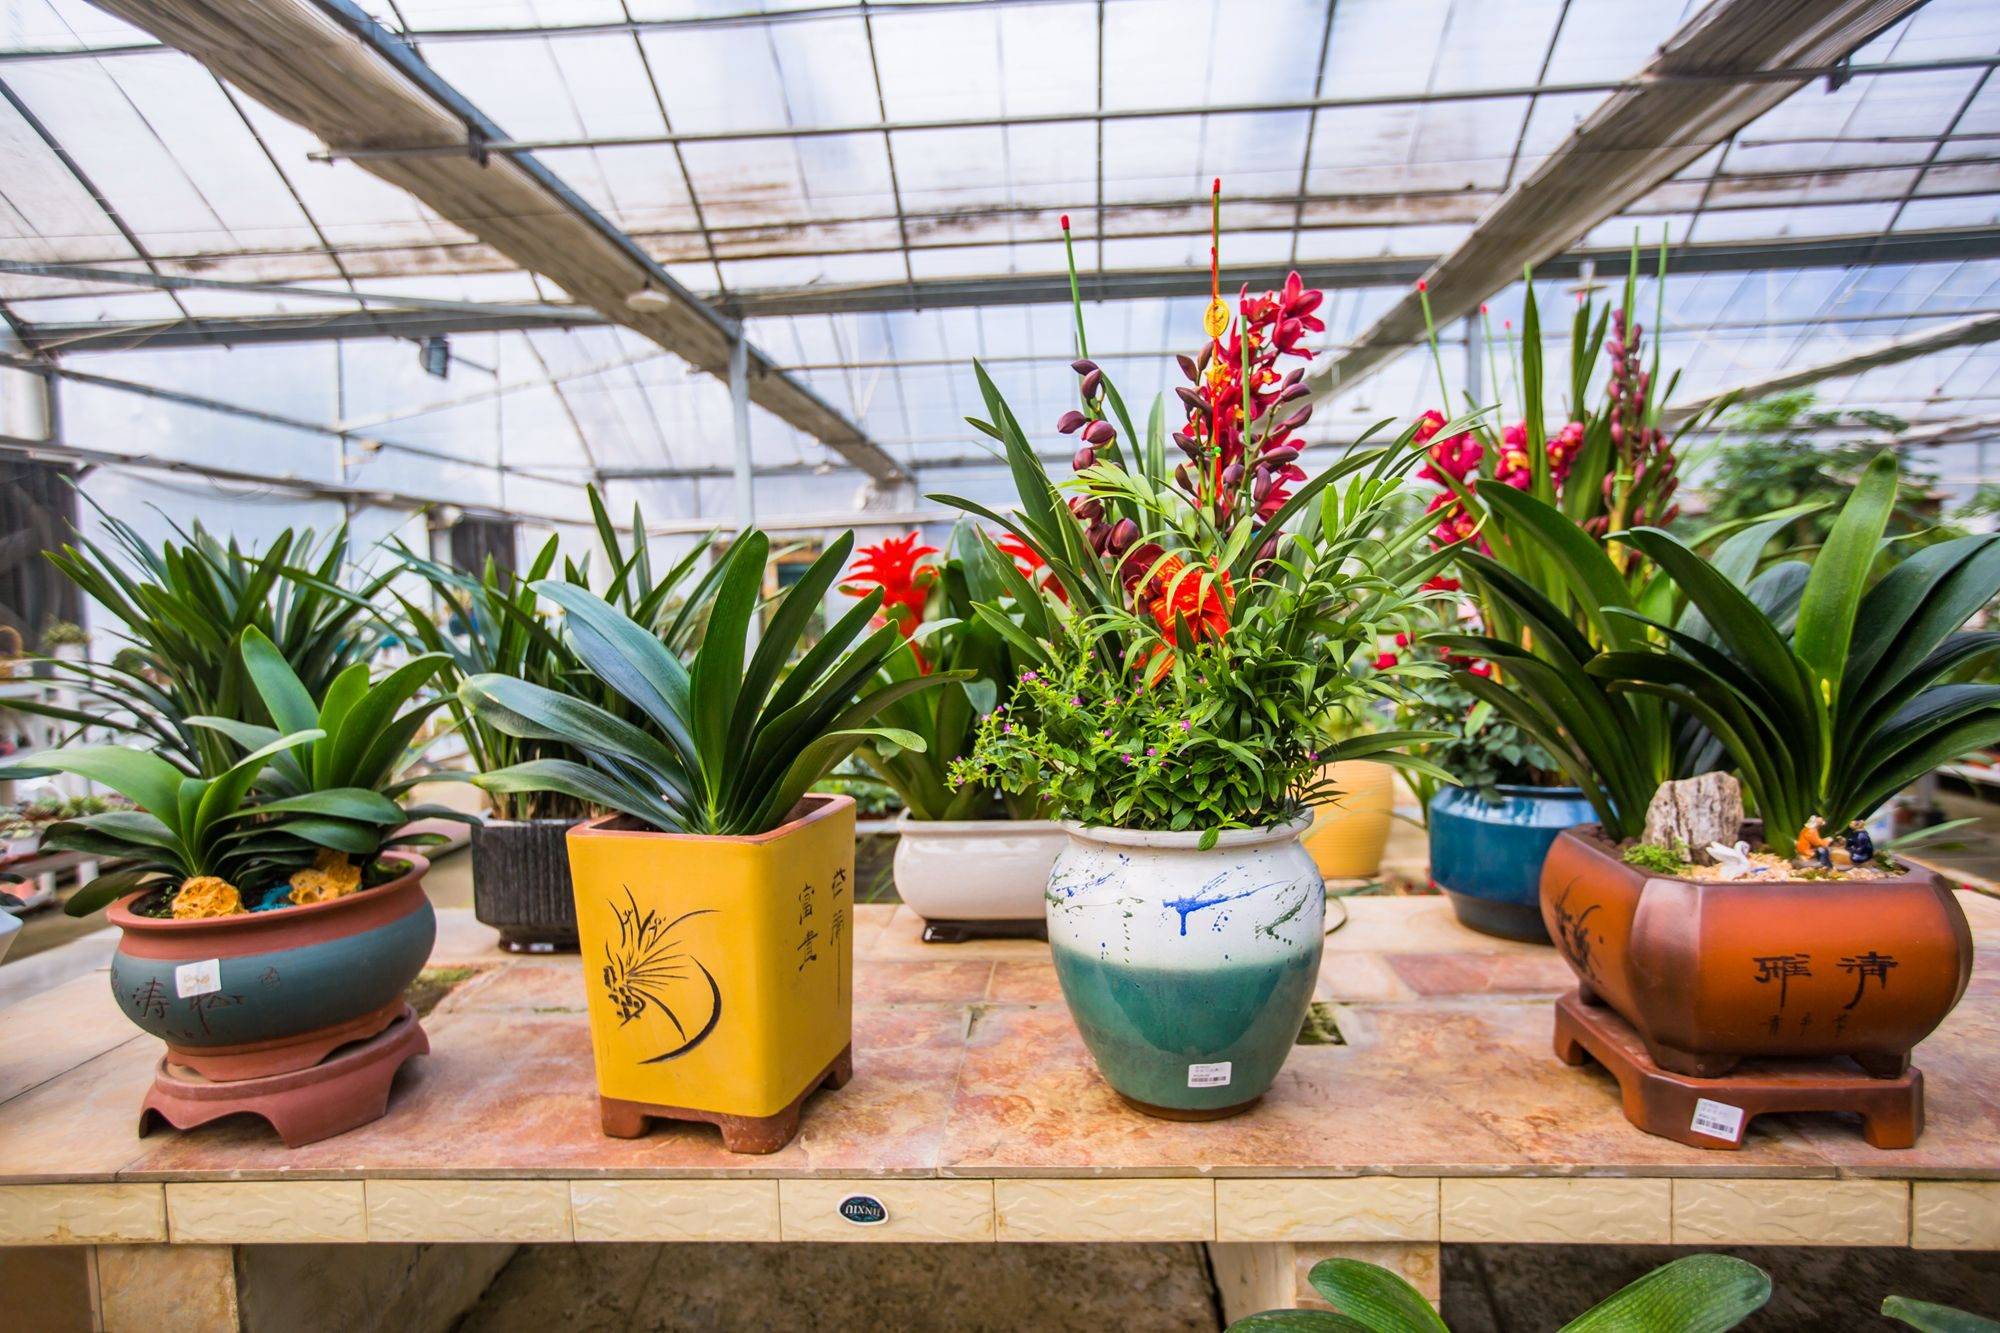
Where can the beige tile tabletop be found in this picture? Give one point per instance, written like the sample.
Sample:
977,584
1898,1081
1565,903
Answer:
976,1114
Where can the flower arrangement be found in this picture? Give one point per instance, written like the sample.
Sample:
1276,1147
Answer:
1216,619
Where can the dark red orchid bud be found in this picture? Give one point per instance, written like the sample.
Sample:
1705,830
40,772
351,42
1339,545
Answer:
1100,432
1261,486
1100,538
1609,478
1087,507
1269,550
1294,392
1195,402
1188,367
1201,358
1232,476
1085,459
1616,347
1184,477
1189,445
1293,376
1296,419
1673,512
1124,534
1279,456
1092,382
1083,366
1617,434
1071,422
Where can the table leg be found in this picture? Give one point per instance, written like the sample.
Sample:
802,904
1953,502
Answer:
1271,1275
167,1288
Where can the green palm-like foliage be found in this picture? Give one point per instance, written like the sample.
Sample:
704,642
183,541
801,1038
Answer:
1845,711
499,626
1561,598
185,605
324,777
1701,1293
728,745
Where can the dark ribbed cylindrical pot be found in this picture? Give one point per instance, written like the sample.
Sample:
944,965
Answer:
520,883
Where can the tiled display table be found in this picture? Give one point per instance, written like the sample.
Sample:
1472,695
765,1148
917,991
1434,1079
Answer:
976,1115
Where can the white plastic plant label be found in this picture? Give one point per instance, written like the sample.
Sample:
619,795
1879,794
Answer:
1718,1120
201,978
1209,1076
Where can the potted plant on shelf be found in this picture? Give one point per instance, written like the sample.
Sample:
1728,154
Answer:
1525,501
715,901
970,859
263,922
1818,945
494,624
1178,708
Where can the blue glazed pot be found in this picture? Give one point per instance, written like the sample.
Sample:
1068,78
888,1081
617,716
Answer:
271,992
1488,857
1188,970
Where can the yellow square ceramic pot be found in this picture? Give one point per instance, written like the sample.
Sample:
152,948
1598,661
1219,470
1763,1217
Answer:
719,971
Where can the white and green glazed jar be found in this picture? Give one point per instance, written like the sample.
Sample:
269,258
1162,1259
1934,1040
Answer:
1188,972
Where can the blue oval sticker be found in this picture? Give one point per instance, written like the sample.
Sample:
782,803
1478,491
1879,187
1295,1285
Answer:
864,1210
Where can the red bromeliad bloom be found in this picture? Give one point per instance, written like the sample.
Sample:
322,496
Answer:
1033,568
896,565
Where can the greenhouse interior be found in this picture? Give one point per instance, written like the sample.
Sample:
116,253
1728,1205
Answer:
999,664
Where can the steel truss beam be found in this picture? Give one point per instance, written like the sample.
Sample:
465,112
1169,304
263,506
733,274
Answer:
327,66
1914,247
1636,139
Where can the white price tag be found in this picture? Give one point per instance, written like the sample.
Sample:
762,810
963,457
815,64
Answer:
1718,1120
201,978
1209,1076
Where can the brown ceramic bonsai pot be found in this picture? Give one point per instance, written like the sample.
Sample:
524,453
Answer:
264,993
1713,972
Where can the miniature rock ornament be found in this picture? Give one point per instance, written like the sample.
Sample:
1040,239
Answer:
330,876
206,896
1695,813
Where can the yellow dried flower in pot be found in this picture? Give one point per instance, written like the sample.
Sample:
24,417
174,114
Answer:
206,896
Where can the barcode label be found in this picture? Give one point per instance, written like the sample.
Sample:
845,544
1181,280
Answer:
1718,1120
1209,1076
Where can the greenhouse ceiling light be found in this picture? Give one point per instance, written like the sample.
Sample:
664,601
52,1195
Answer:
650,297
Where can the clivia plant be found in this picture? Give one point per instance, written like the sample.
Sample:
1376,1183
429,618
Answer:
298,817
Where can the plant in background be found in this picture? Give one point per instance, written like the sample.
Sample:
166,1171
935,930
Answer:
946,719
184,606
301,817
1701,1293
1785,451
62,634
496,625
1211,613
727,744
1843,712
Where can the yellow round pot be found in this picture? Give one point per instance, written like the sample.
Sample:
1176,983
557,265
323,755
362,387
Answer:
1348,834
719,972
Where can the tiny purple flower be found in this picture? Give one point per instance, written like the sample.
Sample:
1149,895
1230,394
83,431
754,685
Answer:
1029,675
1151,751
1127,758
1076,701
1313,755
1187,725
1007,727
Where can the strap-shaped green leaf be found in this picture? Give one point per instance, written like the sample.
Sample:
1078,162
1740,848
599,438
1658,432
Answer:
716,678
1374,1297
1702,1293
291,704
1840,573
632,662
1931,1317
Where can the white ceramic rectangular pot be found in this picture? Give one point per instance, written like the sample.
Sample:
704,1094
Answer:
976,869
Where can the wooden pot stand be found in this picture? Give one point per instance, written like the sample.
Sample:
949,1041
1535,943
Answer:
1716,1112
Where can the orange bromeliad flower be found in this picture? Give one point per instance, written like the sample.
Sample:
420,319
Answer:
1202,604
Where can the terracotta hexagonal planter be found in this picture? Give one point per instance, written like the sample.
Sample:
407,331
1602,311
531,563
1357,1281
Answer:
1710,973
